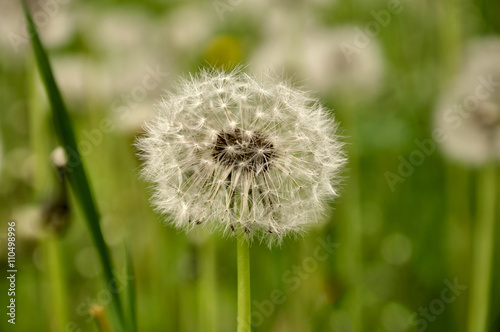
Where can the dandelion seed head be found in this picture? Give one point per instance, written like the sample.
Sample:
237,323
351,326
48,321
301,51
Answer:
240,153
469,111
332,63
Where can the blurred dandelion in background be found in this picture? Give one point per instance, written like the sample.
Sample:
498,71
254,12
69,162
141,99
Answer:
469,113
332,63
469,117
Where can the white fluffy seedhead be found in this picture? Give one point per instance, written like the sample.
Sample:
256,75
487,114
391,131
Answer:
469,112
332,61
240,153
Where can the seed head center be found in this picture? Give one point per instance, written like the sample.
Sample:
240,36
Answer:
243,149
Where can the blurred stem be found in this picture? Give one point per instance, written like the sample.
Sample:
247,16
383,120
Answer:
187,304
458,241
43,188
450,19
185,289
97,311
352,253
208,285
39,128
302,310
243,258
482,258
58,290
131,291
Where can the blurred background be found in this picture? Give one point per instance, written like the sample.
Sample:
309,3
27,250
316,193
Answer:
404,228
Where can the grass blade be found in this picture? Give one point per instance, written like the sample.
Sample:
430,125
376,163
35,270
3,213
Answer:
77,176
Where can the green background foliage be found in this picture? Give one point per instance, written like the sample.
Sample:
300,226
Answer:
398,244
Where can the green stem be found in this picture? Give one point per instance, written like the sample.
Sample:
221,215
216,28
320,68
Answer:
243,284
130,292
58,289
208,285
351,255
483,251
458,230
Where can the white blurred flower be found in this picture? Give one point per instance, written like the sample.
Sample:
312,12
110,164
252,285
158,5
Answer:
77,76
132,122
11,27
54,22
241,153
274,55
132,71
58,157
280,50
188,28
117,31
59,27
333,63
252,9
131,46
469,112
28,221
327,58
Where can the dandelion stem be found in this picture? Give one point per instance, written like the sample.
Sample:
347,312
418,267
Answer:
243,284
483,251
208,286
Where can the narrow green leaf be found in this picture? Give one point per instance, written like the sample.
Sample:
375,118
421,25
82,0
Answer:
76,174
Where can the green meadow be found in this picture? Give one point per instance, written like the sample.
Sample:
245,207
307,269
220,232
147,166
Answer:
409,244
